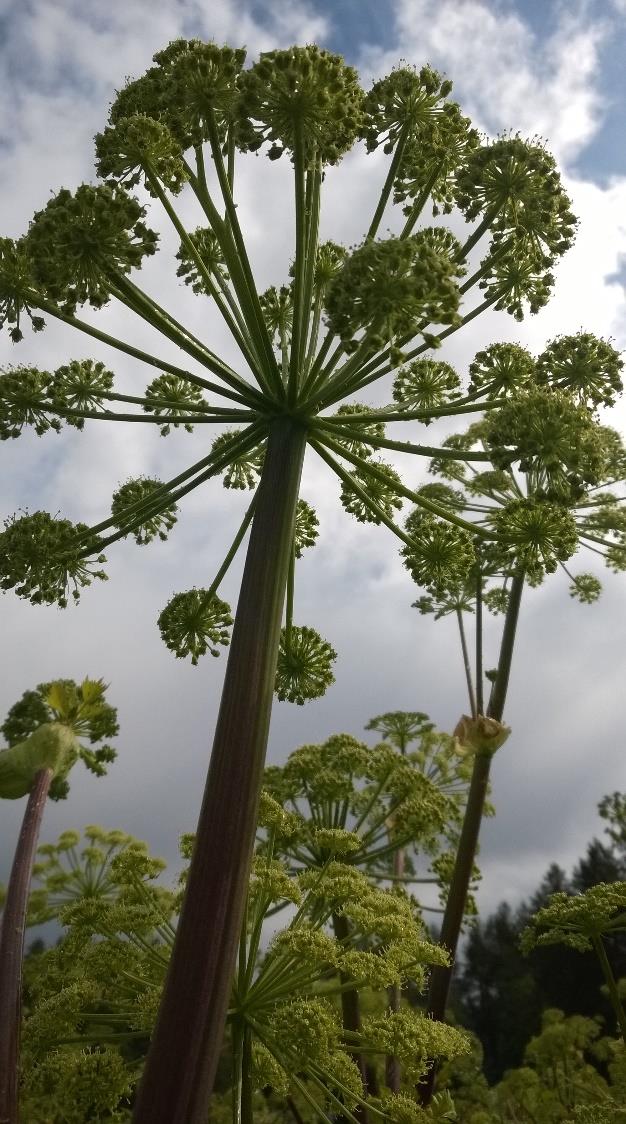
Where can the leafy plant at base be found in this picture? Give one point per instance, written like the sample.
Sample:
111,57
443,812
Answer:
43,730
102,983
387,302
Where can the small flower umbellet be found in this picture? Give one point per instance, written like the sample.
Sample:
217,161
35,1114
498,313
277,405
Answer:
344,319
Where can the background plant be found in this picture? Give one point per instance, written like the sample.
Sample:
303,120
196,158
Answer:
100,988
43,730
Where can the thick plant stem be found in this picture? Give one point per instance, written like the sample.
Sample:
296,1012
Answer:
393,1070
187,1039
468,843
12,945
351,1012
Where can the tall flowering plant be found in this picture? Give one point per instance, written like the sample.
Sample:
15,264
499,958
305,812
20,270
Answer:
343,320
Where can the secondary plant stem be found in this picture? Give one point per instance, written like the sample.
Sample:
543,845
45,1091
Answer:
455,906
12,945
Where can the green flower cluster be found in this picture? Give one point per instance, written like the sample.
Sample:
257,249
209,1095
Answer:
408,110
195,622
556,442
80,385
80,244
501,369
42,557
304,668
303,100
243,471
16,288
587,367
305,532
425,384
132,507
579,920
139,149
192,89
171,395
24,394
365,493
441,555
388,287
207,248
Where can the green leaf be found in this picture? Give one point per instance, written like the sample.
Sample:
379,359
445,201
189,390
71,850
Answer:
52,746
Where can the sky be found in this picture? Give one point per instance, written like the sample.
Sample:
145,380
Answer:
544,69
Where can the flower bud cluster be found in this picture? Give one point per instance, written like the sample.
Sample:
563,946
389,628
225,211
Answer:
16,288
40,558
306,528
24,392
80,242
388,287
136,149
207,248
441,554
378,491
244,470
413,105
303,100
304,668
192,85
195,622
587,367
141,492
173,396
425,384
577,919
501,369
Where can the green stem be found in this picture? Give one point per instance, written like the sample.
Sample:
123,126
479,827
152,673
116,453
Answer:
132,297
611,984
237,1068
479,642
393,1070
234,547
180,1068
354,486
187,241
143,356
167,494
420,203
152,419
399,446
291,577
466,664
400,489
350,1008
299,312
388,184
468,841
12,945
238,264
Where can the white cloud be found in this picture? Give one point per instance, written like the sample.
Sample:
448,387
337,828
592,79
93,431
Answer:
353,587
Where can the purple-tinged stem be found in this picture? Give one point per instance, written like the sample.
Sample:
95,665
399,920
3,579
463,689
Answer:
12,945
